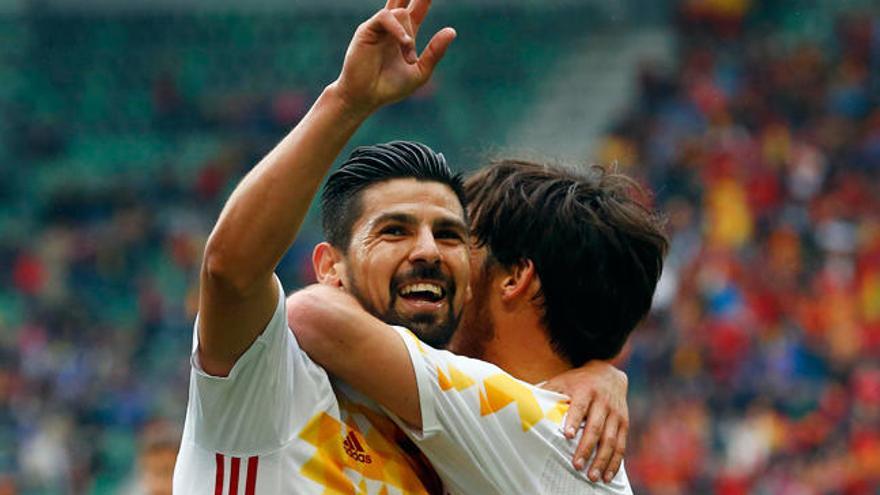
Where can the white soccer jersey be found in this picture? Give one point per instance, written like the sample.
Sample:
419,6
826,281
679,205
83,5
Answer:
277,425
486,432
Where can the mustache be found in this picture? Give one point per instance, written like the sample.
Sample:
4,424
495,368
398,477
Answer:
427,272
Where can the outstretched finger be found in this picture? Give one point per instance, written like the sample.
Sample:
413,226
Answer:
575,417
592,431
385,21
396,4
418,9
617,457
435,50
606,448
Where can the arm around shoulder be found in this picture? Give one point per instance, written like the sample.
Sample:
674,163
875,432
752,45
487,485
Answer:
337,333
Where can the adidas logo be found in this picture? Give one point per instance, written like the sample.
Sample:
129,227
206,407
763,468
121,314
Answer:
355,450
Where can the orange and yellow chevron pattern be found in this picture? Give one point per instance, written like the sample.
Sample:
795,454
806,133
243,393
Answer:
338,473
497,391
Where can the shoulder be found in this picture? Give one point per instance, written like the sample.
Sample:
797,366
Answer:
494,388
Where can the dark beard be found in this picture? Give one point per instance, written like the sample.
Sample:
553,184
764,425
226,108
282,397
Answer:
431,329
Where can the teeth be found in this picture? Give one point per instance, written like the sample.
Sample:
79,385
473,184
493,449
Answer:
432,288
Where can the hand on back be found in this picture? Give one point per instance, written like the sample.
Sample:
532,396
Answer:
598,405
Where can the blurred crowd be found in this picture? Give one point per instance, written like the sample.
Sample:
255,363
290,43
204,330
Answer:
759,370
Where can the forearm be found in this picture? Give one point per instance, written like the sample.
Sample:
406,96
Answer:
321,318
338,334
263,215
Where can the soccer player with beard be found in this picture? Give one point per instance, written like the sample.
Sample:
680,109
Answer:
564,266
262,417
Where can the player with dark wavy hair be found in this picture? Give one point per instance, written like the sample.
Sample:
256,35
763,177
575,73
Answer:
595,246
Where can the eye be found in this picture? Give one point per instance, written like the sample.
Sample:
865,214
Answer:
393,230
449,234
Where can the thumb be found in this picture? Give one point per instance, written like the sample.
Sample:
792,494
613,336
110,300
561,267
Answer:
435,50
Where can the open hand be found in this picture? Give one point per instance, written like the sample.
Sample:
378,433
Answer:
381,65
598,397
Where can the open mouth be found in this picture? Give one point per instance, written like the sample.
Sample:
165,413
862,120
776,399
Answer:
422,291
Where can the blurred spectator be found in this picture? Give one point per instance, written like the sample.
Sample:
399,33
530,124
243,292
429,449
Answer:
159,444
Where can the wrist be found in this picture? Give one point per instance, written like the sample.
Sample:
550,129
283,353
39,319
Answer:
348,105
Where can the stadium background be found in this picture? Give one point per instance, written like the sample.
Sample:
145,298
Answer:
124,125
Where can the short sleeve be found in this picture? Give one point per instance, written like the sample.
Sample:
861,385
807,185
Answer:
270,392
426,380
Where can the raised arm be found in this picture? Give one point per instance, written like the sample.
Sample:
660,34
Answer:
262,216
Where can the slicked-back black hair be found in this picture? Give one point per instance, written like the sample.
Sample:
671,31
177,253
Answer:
597,248
368,165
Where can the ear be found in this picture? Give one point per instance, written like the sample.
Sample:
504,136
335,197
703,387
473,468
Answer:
520,281
328,265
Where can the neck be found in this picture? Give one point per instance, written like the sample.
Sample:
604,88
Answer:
522,348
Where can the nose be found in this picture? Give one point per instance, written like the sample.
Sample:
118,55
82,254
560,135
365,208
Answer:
425,249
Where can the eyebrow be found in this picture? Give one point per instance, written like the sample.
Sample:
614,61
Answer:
407,219
403,218
451,223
